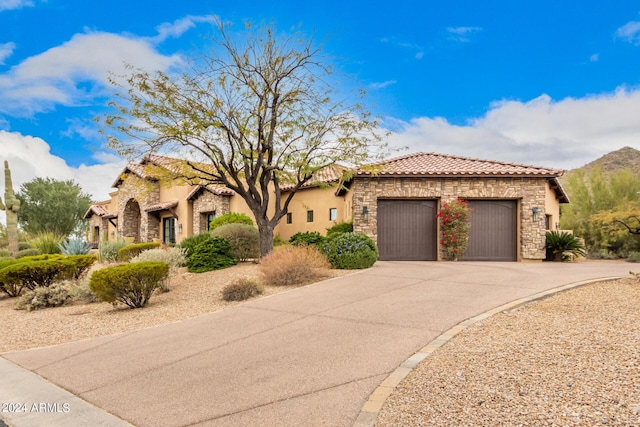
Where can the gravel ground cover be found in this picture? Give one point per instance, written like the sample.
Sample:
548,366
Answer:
190,295
572,359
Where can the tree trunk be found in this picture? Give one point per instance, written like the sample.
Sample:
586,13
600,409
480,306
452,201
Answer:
266,237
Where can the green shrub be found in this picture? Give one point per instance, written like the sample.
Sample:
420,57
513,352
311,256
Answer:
74,247
33,274
230,218
212,254
293,265
277,241
24,245
558,244
307,238
108,251
27,253
4,253
81,263
633,257
341,227
129,284
244,240
55,295
47,243
190,242
351,251
174,257
130,251
241,290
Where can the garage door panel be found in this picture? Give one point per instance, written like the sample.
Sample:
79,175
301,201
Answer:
407,229
493,233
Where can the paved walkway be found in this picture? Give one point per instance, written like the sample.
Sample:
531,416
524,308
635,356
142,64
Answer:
311,356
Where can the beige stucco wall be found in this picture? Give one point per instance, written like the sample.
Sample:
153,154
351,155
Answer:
552,207
184,221
529,192
320,201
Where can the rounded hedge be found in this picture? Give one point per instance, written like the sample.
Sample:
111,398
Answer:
307,238
350,251
213,253
130,284
244,240
230,218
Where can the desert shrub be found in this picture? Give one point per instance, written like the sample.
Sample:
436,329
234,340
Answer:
47,243
351,251
230,218
292,265
81,264
244,240
108,251
33,274
130,251
211,254
633,257
277,241
175,257
4,258
55,295
307,238
27,253
129,284
79,290
341,227
595,255
4,253
190,242
242,289
24,245
74,247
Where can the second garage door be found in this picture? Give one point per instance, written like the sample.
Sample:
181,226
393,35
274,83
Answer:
494,233
407,230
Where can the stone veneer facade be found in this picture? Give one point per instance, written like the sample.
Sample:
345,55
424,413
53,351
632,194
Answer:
206,203
528,191
146,193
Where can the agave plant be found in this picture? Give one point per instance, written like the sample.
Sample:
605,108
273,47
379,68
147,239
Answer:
561,243
74,247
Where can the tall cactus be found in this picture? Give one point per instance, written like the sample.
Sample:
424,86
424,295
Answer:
11,206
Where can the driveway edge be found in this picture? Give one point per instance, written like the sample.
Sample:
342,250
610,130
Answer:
372,407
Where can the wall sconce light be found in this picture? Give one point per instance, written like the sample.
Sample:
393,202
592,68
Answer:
557,226
179,228
536,213
365,213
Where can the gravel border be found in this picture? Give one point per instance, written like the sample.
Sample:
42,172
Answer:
570,359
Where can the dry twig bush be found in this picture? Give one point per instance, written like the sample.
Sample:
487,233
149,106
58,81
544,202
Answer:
293,265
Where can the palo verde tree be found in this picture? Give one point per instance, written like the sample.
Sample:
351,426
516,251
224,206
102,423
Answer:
256,114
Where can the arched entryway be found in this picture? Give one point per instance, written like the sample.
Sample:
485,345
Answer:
132,220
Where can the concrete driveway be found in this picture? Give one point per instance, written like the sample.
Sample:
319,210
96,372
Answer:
309,357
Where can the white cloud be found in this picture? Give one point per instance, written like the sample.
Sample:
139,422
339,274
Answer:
594,58
54,76
630,32
6,50
404,45
14,4
382,85
563,134
180,26
31,157
461,34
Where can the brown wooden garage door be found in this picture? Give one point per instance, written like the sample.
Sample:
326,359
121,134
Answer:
494,233
407,230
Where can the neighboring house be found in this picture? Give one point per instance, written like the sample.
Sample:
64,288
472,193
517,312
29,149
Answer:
394,202
513,206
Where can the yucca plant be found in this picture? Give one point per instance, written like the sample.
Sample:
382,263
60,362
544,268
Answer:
561,243
47,242
74,247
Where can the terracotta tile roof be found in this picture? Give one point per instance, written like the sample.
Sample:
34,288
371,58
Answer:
95,210
440,165
219,190
162,206
329,175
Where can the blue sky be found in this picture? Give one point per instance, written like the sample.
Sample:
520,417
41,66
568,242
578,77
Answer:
547,83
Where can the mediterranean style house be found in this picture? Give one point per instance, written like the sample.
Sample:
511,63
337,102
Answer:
395,202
